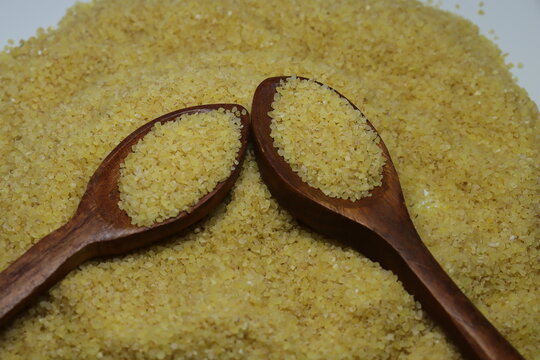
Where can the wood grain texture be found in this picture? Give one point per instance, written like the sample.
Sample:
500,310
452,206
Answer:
379,227
100,228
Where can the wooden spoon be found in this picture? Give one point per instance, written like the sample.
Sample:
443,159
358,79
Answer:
378,226
99,227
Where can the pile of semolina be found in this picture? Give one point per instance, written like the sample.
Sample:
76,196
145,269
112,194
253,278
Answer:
177,163
250,282
338,152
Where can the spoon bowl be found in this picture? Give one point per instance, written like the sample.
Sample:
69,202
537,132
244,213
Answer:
100,228
378,226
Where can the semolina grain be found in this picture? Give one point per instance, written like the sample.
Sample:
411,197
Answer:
338,153
468,166
176,163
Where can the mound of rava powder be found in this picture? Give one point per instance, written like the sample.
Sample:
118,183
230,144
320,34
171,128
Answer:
177,163
325,139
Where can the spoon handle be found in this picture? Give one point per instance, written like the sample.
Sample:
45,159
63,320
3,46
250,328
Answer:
44,264
423,277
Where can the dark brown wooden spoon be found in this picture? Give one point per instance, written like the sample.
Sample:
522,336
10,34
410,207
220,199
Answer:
378,226
99,227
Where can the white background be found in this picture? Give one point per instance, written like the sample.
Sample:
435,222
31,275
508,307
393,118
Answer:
516,24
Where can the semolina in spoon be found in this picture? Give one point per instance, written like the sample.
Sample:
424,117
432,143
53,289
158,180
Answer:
100,228
377,225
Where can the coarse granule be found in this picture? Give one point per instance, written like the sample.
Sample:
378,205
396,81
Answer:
338,153
250,282
176,163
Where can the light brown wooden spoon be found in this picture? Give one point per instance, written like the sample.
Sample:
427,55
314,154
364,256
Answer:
99,227
378,226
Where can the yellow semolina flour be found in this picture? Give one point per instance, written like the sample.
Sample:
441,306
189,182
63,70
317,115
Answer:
173,166
250,282
338,152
